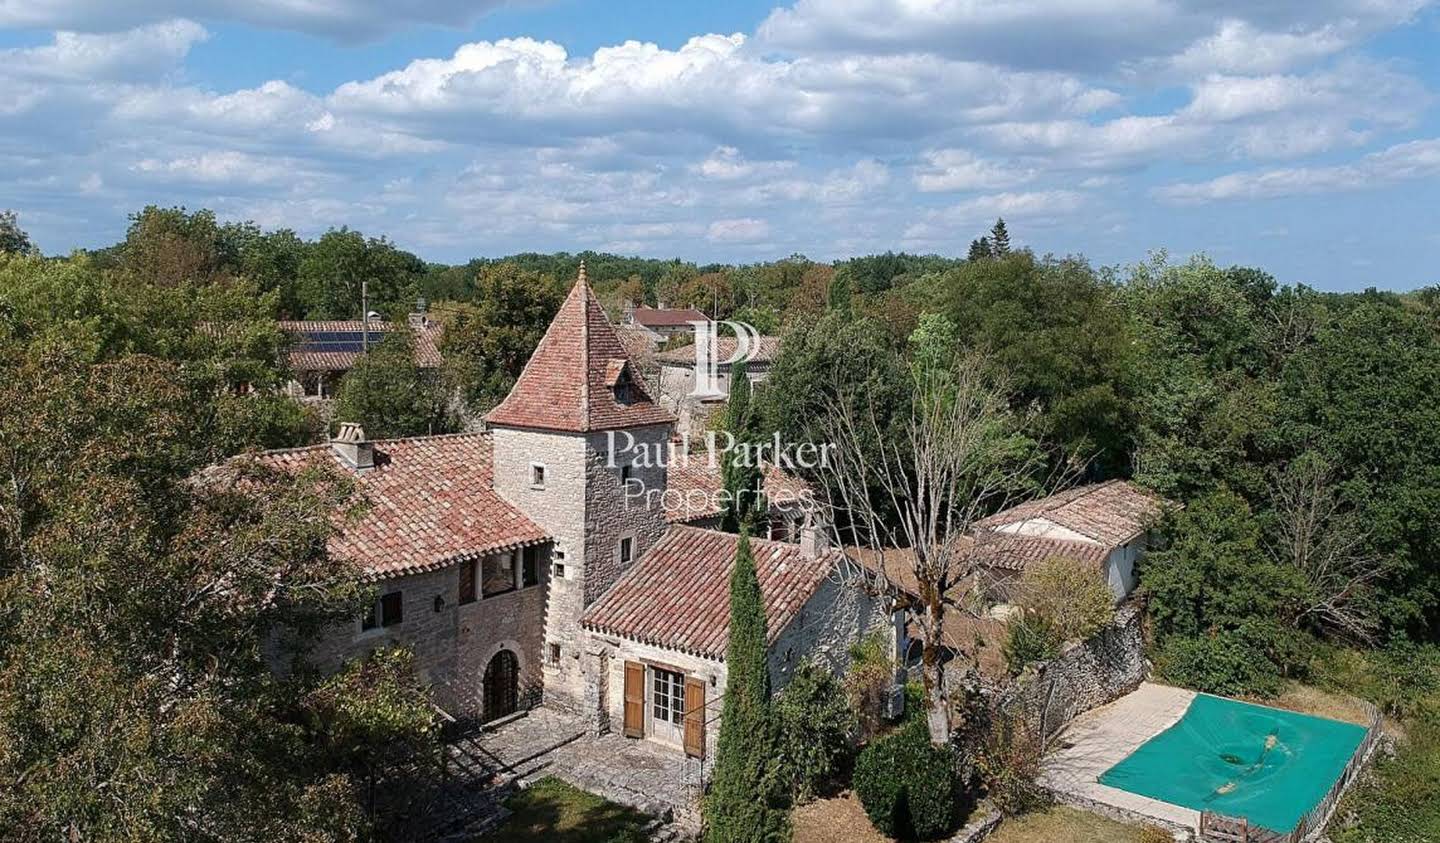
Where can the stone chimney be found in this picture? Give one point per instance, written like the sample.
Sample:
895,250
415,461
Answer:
629,313
353,448
814,535
661,305
419,319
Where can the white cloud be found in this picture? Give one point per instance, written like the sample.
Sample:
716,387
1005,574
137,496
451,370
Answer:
1092,35
1035,208
713,86
223,168
743,230
951,170
1400,163
138,53
341,19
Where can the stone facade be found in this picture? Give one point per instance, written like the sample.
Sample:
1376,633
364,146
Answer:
1085,674
453,643
583,505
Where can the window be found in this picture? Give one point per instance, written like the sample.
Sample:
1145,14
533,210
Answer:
559,570
623,393
387,611
537,475
467,581
668,699
530,569
554,653
497,575
627,550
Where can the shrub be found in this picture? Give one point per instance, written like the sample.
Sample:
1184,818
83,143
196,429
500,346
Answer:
868,683
1071,595
1403,679
1400,803
1009,764
1029,637
1224,663
906,784
1155,834
814,728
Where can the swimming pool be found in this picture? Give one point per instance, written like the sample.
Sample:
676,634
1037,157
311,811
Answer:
1240,760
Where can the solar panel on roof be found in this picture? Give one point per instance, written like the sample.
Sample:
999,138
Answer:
335,341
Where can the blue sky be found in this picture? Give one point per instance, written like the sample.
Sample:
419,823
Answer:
1300,137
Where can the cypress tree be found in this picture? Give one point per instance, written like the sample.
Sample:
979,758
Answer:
741,481
744,805
999,239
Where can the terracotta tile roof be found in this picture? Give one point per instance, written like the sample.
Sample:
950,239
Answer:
677,595
764,352
565,385
897,566
669,317
1015,553
1111,513
309,344
692,486
430,504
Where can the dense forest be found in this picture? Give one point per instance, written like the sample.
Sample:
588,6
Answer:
1299,429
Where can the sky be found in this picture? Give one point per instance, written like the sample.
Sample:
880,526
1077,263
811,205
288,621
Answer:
1300,137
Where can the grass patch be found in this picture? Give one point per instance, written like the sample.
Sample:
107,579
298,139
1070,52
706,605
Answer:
1062,823
1400,802
551,811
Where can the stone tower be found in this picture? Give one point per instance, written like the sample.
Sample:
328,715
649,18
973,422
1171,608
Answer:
552,436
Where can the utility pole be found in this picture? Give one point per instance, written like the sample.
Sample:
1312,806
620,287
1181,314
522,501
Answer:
365,314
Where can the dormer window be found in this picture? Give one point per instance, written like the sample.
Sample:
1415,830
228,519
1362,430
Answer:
623,393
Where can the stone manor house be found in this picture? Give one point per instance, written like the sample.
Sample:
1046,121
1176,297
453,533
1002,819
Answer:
521,567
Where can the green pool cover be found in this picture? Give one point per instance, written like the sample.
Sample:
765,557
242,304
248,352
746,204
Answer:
1240,760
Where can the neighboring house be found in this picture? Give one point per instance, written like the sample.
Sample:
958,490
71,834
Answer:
679,377
1103,524
662,322
531,563
322,351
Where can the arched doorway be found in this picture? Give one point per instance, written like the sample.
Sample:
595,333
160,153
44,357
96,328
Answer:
502,685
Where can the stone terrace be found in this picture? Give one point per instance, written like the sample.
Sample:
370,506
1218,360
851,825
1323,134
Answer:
544,742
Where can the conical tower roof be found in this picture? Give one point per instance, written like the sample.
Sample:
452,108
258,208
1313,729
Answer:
580,378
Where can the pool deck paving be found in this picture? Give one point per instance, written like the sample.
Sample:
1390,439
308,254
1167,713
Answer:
1103,737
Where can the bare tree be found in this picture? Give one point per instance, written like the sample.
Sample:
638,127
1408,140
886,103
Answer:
1327,543
907,491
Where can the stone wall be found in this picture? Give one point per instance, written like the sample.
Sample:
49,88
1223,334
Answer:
585,508
840,613
559,509
1084,675
452,644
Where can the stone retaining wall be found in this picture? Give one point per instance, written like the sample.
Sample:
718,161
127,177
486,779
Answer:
1085,674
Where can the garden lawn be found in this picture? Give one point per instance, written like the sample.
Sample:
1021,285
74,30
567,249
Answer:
554,812
1060,823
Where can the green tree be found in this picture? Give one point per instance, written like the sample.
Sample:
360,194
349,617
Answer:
13,238
390,396
334,269
486,344
742,806
980,250
742,476
137,700
999,239
1214,593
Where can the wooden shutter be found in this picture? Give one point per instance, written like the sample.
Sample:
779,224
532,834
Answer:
634,700
695,718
